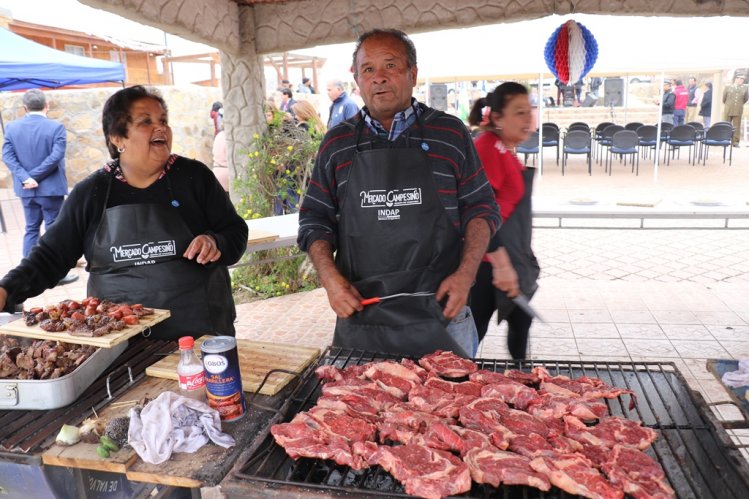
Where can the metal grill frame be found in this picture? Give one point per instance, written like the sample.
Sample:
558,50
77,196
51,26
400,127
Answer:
697,455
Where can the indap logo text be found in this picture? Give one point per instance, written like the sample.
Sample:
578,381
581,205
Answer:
149,250
215,364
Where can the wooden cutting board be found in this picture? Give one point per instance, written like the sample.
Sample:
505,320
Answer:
19,328
256,358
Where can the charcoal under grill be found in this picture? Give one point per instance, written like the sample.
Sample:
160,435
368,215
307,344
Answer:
696,454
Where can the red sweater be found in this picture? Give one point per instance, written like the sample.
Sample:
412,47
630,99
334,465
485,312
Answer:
503,169
682,97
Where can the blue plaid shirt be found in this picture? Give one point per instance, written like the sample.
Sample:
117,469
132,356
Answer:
401,121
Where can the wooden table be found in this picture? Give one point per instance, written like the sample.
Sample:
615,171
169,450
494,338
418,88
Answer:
204,468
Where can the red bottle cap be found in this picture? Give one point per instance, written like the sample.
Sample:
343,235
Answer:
186,343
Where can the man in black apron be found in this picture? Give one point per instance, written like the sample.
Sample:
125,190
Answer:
399,193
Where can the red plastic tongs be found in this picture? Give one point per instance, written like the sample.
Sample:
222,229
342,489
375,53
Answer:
378,299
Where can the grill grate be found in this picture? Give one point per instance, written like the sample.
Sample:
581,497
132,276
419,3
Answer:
697,457
32,431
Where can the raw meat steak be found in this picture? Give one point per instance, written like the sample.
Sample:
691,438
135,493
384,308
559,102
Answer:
590,388
395,378
511,392
637,473
448,364
573,474
486,377
404,415
522,423
497,467
333,373
338,423
300,440
531,378
555,406
485,415
424,472
532,445
436,436
471,439
610,431
466,387
438,402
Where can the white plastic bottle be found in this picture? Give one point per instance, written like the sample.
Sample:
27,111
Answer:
190,371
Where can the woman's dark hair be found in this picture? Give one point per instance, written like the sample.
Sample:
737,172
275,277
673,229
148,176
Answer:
408,46
496,100
116,113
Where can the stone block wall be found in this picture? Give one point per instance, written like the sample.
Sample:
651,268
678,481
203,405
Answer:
80,112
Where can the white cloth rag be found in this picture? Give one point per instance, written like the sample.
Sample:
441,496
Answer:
173,423
736,379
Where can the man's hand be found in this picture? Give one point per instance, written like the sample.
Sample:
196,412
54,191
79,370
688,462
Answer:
344,298
206,249
30,183
456,287
3,298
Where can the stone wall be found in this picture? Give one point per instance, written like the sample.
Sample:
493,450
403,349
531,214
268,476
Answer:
80,112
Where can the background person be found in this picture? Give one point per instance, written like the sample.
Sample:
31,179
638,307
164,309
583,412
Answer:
430,240
217,117
308,118
34,152
695,94
513,268
734,98
681,99
343,106
667,111
706,103
145,195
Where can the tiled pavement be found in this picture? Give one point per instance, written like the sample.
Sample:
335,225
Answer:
679,295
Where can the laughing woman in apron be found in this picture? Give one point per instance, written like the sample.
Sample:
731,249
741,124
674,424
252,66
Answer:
513,268
155,228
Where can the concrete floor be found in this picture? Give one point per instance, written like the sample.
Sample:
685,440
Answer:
672,294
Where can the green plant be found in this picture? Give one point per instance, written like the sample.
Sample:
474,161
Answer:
279,164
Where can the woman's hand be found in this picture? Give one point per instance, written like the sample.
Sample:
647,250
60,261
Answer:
205,248
504,276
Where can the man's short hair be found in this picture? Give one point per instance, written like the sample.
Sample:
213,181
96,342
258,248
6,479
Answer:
34,100
305,80
679,82
287,92
399,35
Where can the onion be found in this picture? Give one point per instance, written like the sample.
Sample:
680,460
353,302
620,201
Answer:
69,435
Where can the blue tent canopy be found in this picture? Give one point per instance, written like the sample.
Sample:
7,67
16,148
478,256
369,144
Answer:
25,64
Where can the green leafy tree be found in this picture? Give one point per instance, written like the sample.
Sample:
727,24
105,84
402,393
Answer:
279,164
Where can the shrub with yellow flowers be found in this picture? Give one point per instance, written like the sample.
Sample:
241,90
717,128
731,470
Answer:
279,164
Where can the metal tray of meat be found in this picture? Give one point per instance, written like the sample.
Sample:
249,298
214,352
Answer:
54,393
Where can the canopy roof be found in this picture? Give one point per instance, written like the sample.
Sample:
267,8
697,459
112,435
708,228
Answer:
26,64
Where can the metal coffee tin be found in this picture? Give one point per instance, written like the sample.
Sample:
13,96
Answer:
223,381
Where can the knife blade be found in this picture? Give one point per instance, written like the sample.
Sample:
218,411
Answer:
522,301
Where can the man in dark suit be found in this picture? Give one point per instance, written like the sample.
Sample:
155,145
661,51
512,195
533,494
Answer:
34,151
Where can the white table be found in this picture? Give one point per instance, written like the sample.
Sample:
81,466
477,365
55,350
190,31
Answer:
283,226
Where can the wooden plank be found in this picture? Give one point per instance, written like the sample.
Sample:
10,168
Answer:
19,328
257,236
84,456
256,359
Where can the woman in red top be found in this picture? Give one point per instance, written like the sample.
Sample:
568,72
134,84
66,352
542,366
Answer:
513,268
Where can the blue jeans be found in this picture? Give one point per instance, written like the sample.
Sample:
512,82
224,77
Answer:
35,210
462,329
679,115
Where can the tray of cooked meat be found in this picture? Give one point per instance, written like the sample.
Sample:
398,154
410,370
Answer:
47,374
91,321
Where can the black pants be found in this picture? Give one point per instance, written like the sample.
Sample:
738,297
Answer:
483,306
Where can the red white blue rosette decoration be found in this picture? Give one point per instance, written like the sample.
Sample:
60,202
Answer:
571,52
